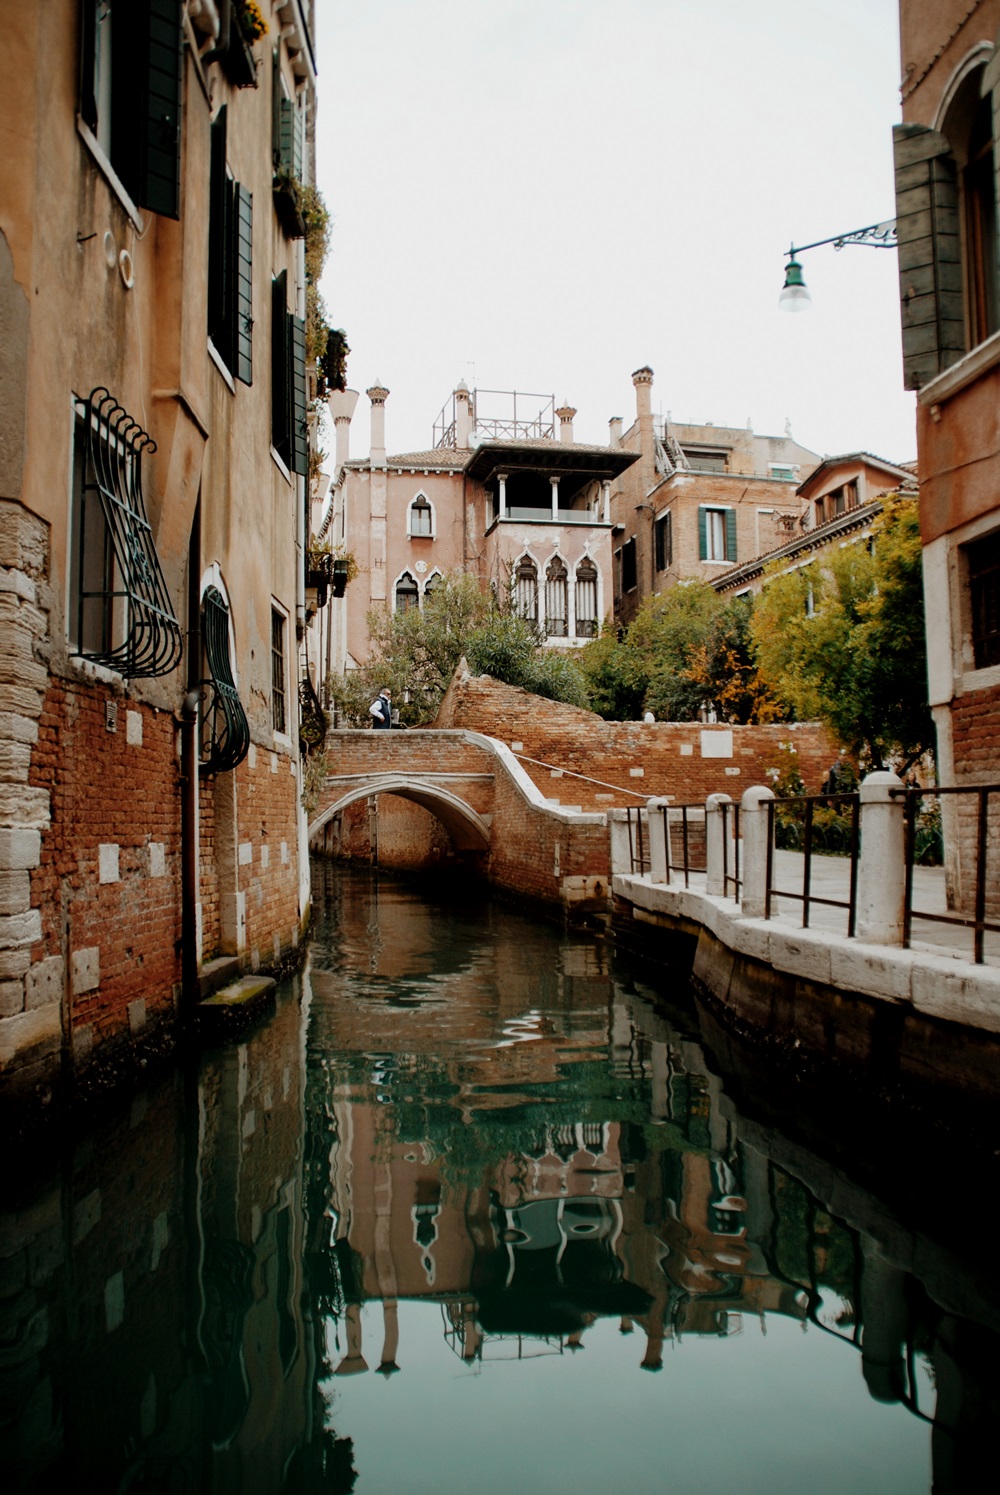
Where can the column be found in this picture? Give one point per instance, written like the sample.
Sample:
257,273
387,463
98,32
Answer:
502,493
606,501
882,864
754,823
555,497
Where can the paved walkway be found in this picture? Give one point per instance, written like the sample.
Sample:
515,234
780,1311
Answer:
831,879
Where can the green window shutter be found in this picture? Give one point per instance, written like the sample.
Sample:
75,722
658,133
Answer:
300,439
244,284
160,124
730,534
276,97
217,216
670,537
298,142
702,535
286,138
930,262
280,368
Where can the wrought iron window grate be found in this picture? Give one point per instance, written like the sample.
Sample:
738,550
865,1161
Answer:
124,616
225,739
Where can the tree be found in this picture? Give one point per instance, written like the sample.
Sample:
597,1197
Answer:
415,653
686,652
843,640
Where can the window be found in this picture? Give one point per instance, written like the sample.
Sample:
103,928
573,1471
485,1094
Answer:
663,541
983,560
288,380
225,731
120,612
289,132
978,187
586,599
230,262
716,534
556,622
130,95
407,594
628,566
526,588
278,714
432,583
707,458
421,518
785,474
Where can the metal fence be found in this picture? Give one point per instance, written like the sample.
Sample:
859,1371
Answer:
971,830
808,804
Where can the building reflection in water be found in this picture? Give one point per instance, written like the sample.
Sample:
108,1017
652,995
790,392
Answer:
457,1108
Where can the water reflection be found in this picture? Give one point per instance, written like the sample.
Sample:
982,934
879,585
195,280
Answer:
465,1147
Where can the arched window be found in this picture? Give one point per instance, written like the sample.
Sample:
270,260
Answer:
586,599
421,518
432,583
407,593
225,731
526,588
555,598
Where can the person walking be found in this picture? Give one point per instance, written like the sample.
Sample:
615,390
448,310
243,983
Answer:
380,710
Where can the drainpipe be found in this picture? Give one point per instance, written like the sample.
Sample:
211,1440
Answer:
221,33
190,955
189,851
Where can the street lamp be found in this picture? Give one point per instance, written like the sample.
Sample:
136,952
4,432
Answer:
795,294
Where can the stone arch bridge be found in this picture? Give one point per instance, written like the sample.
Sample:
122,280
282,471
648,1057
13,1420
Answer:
493,812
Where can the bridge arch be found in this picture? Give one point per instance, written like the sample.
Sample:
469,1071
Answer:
468,829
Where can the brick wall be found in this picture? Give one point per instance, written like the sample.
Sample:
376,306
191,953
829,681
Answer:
267,806
108,881
632,759
975,725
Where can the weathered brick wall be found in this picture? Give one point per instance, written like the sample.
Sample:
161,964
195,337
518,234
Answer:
108,880
267,807
634,760
975,724
208,872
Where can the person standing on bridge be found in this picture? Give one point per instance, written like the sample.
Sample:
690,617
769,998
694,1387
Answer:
380,710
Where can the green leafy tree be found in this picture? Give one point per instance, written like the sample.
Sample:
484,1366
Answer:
415,653
843,641
687,650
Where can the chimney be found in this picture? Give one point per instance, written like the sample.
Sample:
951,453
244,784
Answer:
463,416
378,395
566,414
615,431
341,403
643,381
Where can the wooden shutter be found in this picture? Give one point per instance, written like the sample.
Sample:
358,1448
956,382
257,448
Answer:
286,137
244,283
280,365
670,536
160,125
930,261
702,534
217,218
299,432
730,534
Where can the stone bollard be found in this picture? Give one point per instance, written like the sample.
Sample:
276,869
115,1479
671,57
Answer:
754,823
656,824
715,844
882,866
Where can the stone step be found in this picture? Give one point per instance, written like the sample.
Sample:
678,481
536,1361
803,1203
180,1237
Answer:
233,1008
216,973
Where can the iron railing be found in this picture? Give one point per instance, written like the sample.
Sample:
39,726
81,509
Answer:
809,804
638,840
976,830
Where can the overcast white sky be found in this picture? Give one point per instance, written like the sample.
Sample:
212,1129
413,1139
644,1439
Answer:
546,194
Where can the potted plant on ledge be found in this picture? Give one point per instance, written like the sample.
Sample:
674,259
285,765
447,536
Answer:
329,568
246,26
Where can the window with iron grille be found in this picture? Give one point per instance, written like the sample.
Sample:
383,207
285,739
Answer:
225,731
130,95
983,560
230,261
278,703
120,614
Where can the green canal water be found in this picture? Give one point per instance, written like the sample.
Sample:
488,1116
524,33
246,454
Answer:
477,1208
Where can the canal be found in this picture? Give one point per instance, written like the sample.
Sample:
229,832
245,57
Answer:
478,1206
